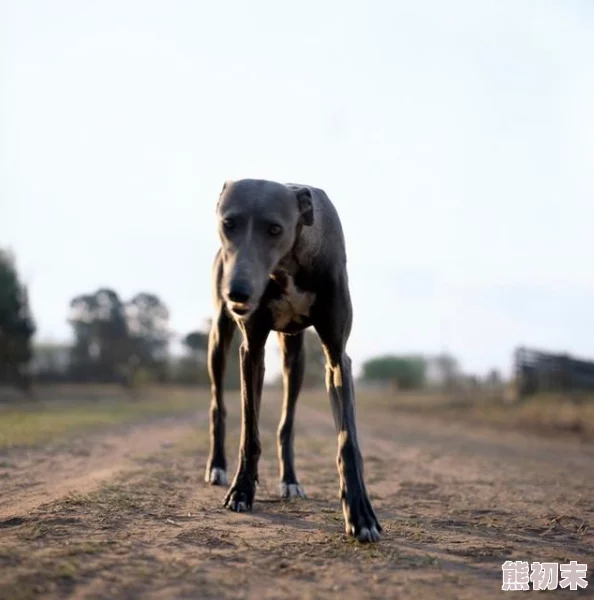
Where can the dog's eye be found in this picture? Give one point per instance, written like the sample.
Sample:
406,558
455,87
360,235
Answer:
228,224
275,230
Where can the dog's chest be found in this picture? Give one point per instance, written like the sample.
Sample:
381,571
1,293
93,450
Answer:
293,306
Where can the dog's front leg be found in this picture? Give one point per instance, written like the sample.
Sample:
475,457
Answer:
240,496
219,340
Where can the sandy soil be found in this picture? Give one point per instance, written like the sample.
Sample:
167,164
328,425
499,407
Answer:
126,514
31,478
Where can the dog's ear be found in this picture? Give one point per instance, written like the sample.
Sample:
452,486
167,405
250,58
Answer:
225,186
305,206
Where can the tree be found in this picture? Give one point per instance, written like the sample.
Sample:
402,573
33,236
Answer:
81,319
17,326
102,345
147,319
196,343
192,368
407,371
116,340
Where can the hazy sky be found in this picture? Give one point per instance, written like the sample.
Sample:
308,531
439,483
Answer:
456,140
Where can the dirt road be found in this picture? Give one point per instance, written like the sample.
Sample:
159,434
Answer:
124,513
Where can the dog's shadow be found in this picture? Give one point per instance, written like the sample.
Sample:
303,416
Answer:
295,513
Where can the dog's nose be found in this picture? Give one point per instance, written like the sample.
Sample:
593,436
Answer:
240,292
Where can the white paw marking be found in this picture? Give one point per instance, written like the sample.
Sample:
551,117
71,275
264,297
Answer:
292,490
216,476
241,507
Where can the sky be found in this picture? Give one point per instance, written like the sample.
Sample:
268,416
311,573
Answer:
455,139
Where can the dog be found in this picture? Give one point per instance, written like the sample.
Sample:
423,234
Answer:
282,267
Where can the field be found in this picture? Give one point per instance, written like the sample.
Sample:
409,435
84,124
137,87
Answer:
102,496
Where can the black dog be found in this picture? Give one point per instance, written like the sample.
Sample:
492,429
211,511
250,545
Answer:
282,267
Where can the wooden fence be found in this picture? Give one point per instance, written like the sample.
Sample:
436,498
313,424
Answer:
538,371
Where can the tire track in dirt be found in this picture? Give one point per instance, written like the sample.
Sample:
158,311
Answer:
34,477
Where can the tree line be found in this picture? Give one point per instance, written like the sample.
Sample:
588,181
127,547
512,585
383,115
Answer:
128,341
114,340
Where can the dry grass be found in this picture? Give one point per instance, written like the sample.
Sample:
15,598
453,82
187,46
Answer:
60,410
545,414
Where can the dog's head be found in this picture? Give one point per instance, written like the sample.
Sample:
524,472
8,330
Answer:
258,223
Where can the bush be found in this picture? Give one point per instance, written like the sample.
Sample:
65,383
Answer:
407,371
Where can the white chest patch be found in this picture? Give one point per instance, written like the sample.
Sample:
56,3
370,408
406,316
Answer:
293,306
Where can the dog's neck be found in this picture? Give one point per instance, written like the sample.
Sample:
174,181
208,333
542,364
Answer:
294,304
289,264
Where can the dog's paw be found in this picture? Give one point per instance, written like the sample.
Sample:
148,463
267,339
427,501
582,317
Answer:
240,497
215,476
360,520
291,490
364,534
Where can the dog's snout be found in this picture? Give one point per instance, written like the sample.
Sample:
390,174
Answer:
240,292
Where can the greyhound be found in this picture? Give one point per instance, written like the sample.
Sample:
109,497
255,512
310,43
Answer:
282,267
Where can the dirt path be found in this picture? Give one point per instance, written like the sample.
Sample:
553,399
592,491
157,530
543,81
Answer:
455,503
34,477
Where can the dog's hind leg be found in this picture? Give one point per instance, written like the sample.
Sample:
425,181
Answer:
219,340
293,371
333,326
